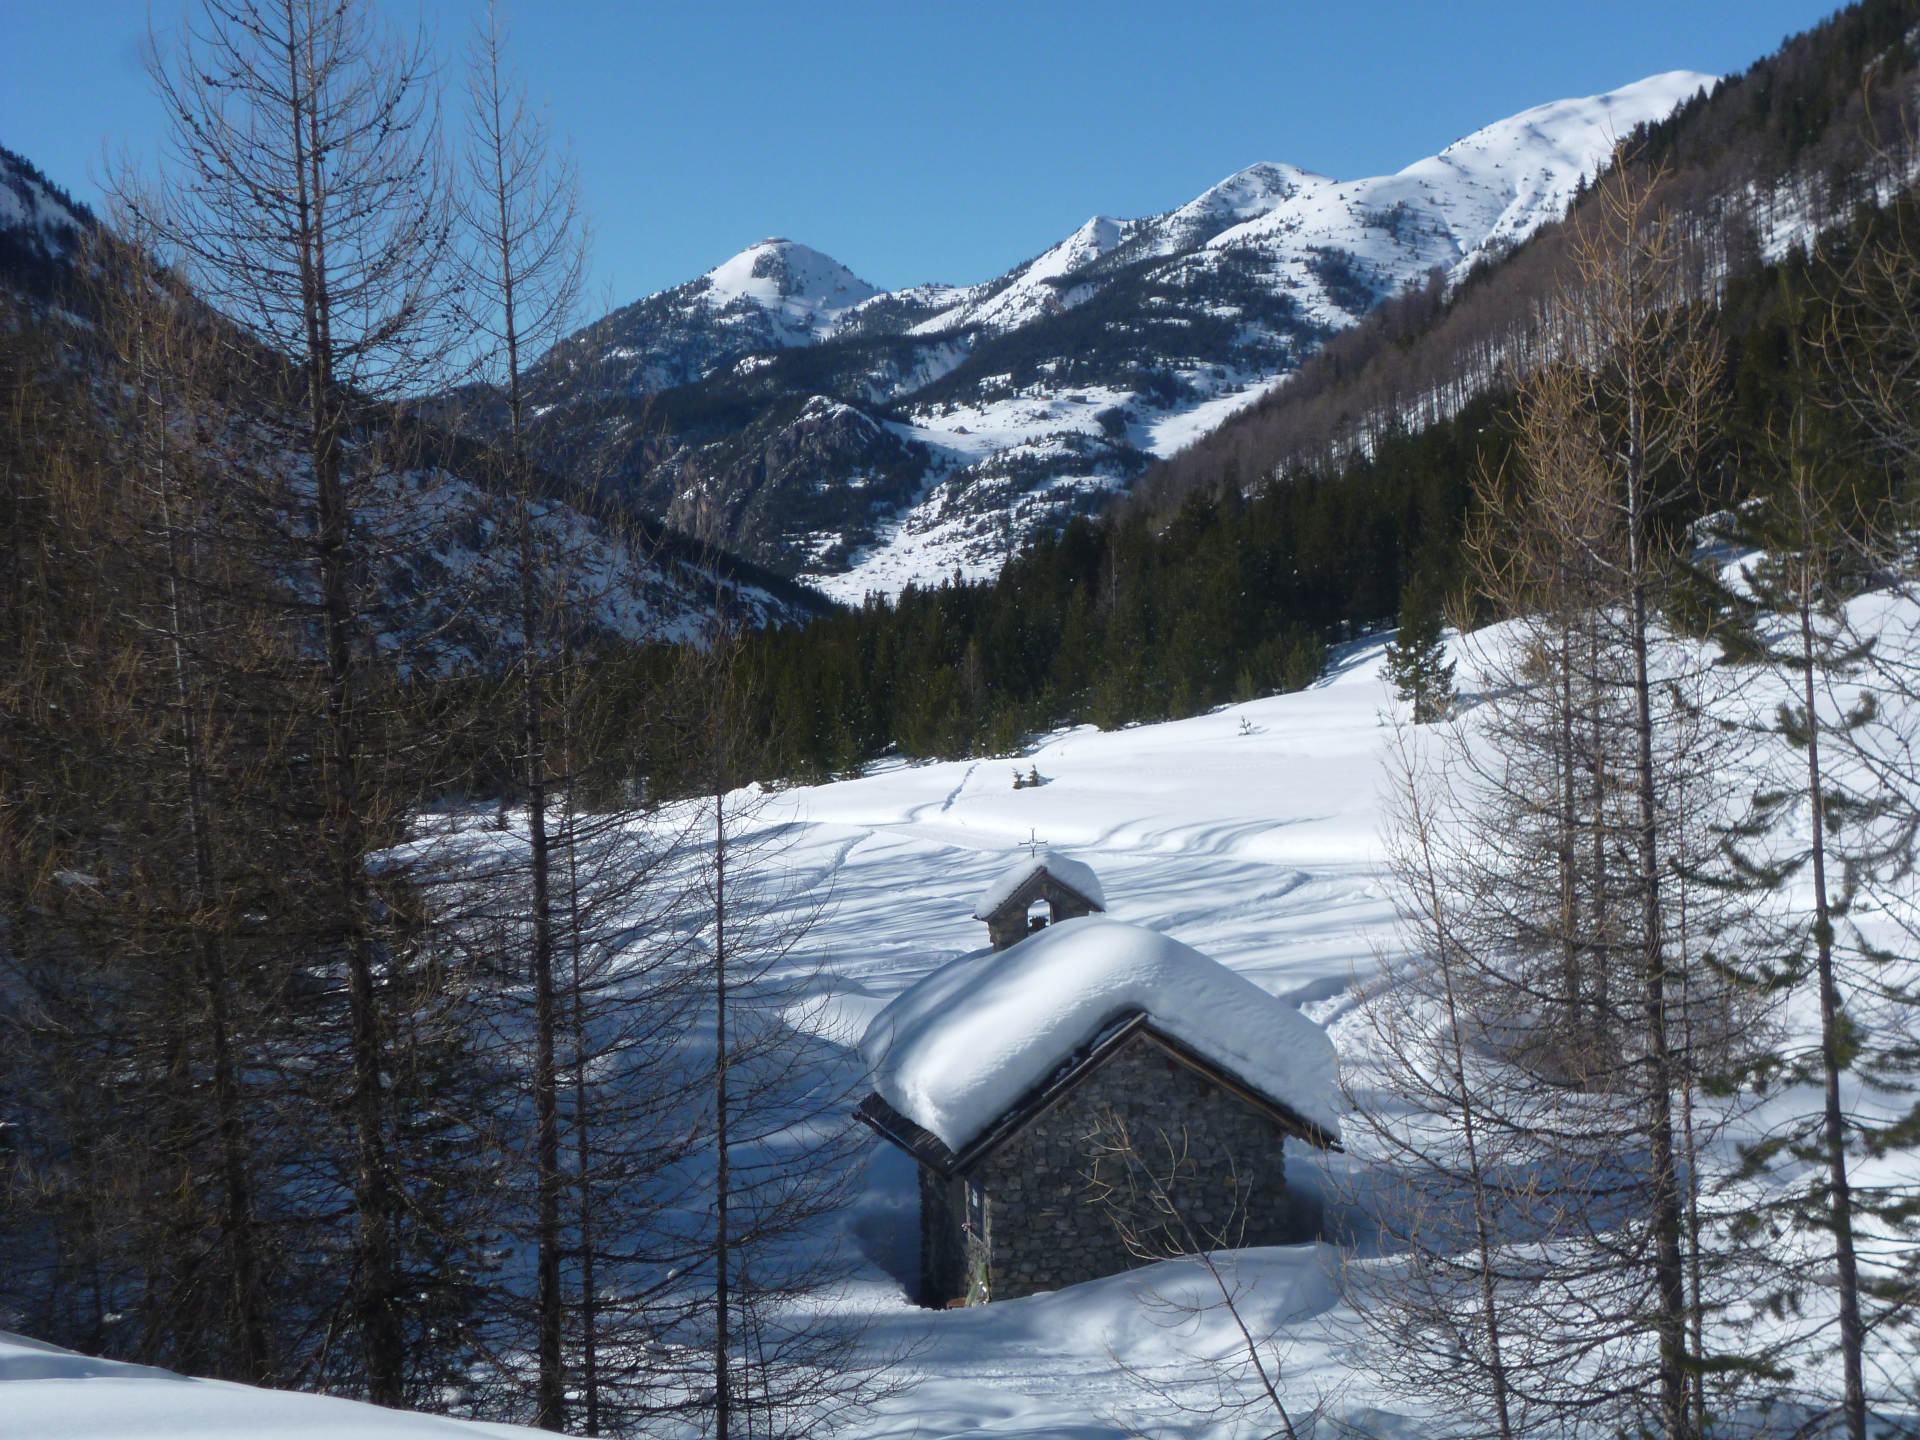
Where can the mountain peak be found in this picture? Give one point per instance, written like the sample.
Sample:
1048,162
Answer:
1506,179
1579,132
1247,193
788,278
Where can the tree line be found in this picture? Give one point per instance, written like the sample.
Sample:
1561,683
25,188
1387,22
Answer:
318,1073
1238,591
1636,1104
1112,620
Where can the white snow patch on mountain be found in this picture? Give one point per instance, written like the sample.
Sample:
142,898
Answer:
1491,189
27,204
1174,430
806,293
1241,196
1037,289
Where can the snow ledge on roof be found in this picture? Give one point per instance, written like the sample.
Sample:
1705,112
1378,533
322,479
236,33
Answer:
959,1049
1074,874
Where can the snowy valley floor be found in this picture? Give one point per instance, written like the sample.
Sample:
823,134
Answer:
1252,834
1249,833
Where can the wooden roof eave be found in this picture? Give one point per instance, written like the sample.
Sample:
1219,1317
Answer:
918,1141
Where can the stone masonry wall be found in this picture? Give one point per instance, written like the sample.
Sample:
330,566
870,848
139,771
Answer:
1044,1231
1008,924
951,1255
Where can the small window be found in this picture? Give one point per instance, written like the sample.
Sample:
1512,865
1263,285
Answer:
976,1212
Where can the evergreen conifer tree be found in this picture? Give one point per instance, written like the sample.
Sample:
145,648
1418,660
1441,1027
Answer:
1417,661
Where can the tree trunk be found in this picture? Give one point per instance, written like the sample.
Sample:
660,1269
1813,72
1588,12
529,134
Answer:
376,1301
1833,1118
722,1263
1669,1273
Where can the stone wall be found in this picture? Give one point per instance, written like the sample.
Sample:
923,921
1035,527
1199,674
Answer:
953,1256
1009,925
1044,1230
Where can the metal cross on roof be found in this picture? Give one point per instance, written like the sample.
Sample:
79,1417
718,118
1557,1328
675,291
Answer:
1033,843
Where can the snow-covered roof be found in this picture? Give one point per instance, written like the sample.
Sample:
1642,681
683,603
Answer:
960,1048
1074,874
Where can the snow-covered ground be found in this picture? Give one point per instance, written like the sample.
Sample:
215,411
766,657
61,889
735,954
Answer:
1248,834
1252,834
52,1394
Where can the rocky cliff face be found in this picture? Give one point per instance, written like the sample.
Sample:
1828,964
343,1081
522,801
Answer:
805,483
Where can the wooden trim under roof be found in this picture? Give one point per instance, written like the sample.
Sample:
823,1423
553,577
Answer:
925,1146
930,1150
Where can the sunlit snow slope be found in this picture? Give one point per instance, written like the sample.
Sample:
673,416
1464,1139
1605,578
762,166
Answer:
1253,834
51,1394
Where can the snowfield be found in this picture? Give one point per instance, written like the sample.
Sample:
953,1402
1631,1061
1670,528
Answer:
1252,834
47,1393
1253,842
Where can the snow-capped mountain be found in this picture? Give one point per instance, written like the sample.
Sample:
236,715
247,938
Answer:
801,291
870,439
449,573
770,296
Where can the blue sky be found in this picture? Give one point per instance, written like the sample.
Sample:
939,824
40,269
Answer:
916,141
